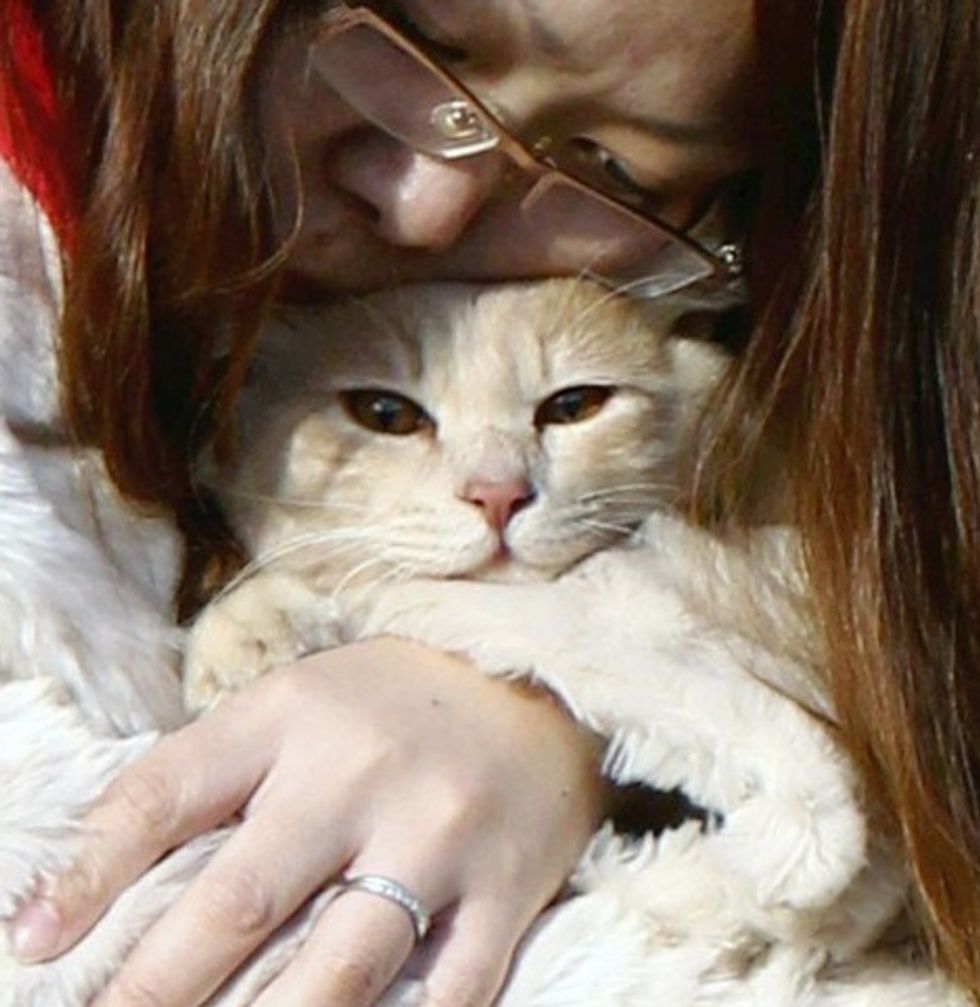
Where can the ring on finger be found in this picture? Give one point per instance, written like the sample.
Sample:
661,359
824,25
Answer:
393,891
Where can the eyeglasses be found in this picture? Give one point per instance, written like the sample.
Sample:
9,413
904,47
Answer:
393,84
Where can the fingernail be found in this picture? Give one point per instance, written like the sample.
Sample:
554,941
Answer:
34,932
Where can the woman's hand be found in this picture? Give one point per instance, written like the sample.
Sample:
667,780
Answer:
379,758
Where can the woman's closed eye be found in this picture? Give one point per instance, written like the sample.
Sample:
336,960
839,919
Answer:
385,412
596,165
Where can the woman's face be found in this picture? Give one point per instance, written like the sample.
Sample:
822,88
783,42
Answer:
652,96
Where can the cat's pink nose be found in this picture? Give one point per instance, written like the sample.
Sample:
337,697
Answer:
499,501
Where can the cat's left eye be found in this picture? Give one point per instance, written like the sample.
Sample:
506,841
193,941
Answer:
572,405
385,412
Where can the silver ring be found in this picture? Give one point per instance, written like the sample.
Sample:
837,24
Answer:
393,891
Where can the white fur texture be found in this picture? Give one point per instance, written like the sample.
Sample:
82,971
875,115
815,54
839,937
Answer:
70,611
71,601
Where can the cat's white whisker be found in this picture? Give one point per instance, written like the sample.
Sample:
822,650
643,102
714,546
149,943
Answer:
630,519
425,556
237,493
633,515
401,572
621,508
428,530
606,526
640,484
623,488
318,539
353,575
395,570
339,541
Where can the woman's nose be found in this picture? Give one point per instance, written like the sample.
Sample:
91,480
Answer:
417,200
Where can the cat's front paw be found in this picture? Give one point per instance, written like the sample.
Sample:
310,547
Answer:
263,623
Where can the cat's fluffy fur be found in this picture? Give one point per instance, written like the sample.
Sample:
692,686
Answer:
776,903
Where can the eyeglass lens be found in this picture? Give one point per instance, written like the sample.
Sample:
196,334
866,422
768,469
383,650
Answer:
406,98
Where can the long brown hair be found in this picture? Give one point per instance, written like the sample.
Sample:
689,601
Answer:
863,357
865,364
173,262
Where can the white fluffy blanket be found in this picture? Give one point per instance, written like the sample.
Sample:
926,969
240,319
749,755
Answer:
783,901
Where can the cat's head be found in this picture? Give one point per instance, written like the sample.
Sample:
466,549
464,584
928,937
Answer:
461,431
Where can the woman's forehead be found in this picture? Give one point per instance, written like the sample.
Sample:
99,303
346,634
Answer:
624,31
631,29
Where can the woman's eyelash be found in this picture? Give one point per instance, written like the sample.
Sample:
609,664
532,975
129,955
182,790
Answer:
619,174
615,169
605,167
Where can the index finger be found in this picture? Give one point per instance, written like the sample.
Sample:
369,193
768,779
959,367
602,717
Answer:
191,781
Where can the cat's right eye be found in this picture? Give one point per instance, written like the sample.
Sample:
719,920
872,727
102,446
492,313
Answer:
385,412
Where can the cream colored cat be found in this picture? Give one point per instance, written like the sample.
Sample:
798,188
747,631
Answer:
454,432
491,471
